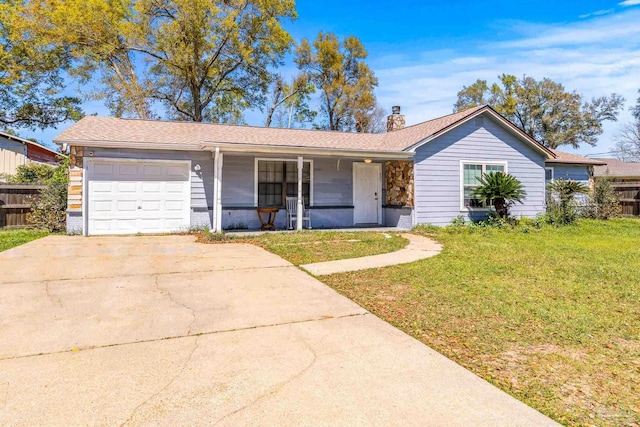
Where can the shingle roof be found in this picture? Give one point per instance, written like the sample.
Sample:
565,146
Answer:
568,158
28,142
109,129
616,167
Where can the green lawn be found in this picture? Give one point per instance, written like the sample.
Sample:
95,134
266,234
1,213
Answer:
551,315
13,238
316,246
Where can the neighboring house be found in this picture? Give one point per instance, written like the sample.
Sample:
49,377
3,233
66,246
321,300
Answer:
16,151
618,170
130,176
626,182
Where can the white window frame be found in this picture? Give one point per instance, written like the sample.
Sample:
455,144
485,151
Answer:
274,159
553,174
484,164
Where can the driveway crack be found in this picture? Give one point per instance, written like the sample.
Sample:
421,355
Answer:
278,386
167,385
178,303
51,297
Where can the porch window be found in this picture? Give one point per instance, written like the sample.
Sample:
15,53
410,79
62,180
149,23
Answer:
469,182
278,179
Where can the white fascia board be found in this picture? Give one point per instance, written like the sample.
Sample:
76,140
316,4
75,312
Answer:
271,149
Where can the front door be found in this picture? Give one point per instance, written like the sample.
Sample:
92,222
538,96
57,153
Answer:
367,206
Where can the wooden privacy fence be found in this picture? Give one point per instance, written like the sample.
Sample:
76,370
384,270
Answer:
629,194
14,203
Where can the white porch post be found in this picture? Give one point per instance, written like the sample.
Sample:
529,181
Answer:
216,189
219,199
300,199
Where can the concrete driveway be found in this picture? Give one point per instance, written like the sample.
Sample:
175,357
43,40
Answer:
165,331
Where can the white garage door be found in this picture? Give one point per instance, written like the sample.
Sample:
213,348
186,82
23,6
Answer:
128,197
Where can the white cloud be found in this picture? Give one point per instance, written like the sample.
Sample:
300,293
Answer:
629,3
592,67
596,13
615,28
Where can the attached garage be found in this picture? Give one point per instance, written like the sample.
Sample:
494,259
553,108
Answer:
137,196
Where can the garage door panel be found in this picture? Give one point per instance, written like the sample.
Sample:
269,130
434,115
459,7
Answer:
125,186
151,187
103,169
151,205
101,186
128,169
126,205
138,197
103,206
177,173
174,187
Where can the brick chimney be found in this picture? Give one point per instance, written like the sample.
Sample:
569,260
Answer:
396,120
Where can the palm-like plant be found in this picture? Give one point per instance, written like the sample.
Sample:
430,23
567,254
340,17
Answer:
562,206
501,190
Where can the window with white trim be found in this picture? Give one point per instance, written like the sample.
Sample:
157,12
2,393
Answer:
278,179
471,171
548,178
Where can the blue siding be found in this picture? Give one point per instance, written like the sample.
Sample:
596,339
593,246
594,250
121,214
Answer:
332,187
573,172
237,180
398,217
437,170
332,180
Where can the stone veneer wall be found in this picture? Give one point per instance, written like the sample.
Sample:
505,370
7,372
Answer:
399,182
74,202
395,122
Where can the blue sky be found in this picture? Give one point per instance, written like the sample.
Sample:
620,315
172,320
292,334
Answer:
423,52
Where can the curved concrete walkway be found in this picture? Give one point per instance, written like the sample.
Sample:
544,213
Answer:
418,248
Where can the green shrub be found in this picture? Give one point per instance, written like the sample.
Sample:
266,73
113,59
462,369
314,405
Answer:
604,202
32,173
39,173
501,190
458,221
49,208
562,206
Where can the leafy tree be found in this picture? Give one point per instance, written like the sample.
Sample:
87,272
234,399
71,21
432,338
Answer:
562,206
202,60
544,109
289,102
371,120
604,202
31,82
346,83
628,140
501,190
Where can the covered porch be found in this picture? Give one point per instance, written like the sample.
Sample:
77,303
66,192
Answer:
339,190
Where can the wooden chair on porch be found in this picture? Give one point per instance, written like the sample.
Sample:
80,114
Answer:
292,213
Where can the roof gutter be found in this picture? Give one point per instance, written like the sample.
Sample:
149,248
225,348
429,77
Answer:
133,145
273,149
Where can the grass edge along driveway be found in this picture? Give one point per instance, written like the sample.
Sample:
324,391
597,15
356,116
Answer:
305,247
10,238
550,315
